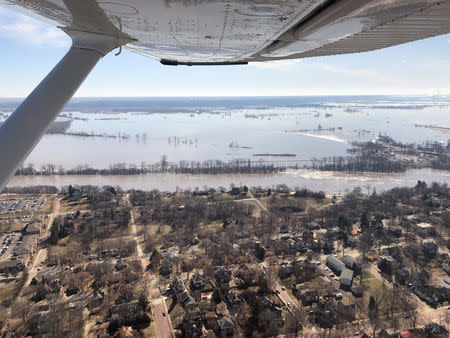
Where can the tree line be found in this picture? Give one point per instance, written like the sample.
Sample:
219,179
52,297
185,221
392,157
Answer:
212,167
366,163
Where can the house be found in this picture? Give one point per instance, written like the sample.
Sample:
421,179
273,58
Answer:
270,305
33,228
346,311
313,226
226,326
323,315
430,249
346,279
186,300
301,247
234,299
285,270
386,264
352,264
427,294
198,282
401,275
395,231
309,297
328,246
165,268
351,241
177,286
335,264
235,191
436,330
126,312
284,229
424,229
297,289
223,276
194,328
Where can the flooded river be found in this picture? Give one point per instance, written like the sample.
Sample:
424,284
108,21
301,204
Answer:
329,182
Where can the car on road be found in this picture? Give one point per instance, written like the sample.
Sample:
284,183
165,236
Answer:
289,304
164,313
277,291
283,288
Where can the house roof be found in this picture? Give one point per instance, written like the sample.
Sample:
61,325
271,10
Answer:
198,279
34,226
225,323
334,263
346,276
349,260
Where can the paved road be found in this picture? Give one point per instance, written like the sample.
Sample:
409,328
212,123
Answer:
42,253
158,305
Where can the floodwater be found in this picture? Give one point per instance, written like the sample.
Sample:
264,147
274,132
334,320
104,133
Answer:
140,131
329,182
237,133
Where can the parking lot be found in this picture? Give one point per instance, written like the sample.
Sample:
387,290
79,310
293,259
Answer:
8,243
28,204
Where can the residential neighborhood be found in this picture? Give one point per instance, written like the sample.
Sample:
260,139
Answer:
229,263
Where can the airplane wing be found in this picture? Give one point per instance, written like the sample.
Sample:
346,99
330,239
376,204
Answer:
204,32
236,31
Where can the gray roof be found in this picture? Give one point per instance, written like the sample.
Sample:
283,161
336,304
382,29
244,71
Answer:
351,262
346,276
348,260
335,263
225,323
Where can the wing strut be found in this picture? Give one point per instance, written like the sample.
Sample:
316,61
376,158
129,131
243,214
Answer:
20,133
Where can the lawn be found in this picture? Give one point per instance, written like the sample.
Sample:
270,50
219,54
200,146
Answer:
6,291
72,206
176,314
14,226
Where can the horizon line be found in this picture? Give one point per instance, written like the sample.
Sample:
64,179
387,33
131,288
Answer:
240,96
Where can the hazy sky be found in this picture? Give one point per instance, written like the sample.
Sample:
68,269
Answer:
30,49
